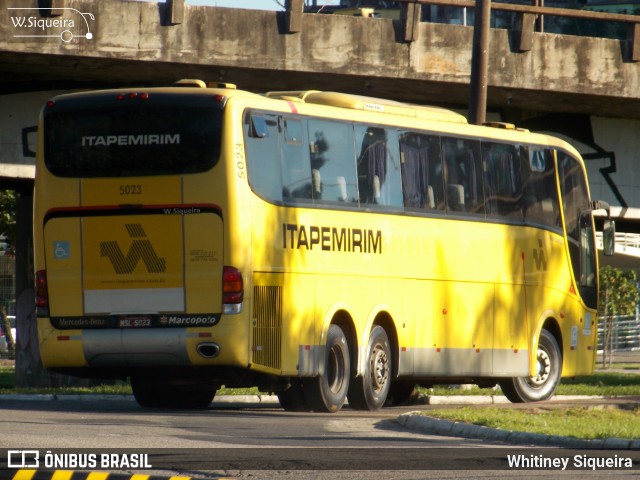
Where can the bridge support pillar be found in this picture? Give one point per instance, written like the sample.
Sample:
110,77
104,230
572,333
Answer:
633,41
294,15
175,11
524,31
411,19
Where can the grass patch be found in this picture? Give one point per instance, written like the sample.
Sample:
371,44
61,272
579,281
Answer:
580,422
606,384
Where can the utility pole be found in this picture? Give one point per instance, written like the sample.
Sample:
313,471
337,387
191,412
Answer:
480,62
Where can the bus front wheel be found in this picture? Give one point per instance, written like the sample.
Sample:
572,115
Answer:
543,384
369,392
328,392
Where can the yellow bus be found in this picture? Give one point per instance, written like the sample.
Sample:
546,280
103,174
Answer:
321,246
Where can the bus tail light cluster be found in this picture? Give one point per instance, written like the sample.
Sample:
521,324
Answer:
42,294
232,290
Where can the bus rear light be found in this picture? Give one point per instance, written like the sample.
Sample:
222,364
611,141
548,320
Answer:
232,290
42,293
132,96
51,103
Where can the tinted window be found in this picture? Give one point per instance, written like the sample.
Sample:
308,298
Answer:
575,197
539,192
159,136
333,161
378,167
502,182
262,143
296,166
421,162
463,175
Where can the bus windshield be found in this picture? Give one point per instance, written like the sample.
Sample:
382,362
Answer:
121,137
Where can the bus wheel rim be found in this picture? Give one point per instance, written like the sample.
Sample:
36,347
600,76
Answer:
543,369
335,369
379,368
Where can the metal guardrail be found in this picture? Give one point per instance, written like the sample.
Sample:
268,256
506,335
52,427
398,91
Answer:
626,243
523,28
625,334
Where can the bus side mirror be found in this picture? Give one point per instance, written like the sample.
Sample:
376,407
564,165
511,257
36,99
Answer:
609,237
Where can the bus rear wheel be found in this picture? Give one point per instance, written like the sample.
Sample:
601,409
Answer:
161,394
543,384
369,392
328,392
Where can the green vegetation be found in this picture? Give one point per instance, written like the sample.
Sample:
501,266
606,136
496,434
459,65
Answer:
586,423
606,384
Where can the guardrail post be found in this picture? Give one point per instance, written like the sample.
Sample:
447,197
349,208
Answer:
294,10
410,15
175,11
480,63
524,28
633,41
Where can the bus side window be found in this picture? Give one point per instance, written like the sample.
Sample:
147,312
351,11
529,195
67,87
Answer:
378,168
261,139
540,195
463,174
421,164
296,168
333,161
575,197
502,182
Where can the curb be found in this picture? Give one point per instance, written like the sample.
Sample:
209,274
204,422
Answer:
437,426
272,400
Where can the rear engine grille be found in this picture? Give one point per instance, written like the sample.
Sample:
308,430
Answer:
267,325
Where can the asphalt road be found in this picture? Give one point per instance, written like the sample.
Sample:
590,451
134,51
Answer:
265,442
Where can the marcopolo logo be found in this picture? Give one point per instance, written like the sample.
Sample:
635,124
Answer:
140,249
65,23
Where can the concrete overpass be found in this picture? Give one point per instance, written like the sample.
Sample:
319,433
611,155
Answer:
585,88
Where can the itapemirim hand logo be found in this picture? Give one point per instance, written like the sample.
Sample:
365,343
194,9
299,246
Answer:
28,23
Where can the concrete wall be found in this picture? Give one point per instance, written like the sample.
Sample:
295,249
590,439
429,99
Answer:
18,111
131,42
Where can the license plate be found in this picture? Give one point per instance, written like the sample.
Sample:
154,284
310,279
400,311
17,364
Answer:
134,322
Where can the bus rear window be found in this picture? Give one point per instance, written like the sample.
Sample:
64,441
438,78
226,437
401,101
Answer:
137,138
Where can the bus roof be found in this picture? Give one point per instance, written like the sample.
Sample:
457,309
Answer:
359,102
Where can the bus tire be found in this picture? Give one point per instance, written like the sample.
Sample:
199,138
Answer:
369,392
328,392
543,385
292,399
159,395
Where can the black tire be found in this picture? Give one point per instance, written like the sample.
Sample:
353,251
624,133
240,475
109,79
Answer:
328,392
369,392
400,392
544,384
292,399
157,394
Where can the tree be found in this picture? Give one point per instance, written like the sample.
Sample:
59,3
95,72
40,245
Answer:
618,296
8,215
8,231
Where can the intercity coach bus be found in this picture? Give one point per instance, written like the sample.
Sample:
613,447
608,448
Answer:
321,246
